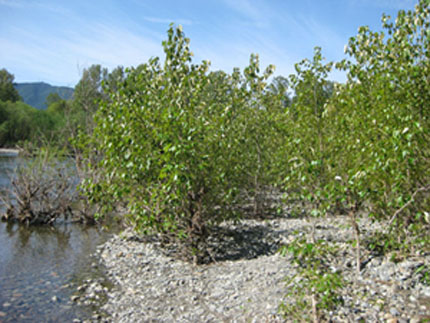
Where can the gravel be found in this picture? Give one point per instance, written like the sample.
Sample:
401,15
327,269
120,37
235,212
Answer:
246,283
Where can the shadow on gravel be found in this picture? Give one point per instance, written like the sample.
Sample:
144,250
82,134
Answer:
245,242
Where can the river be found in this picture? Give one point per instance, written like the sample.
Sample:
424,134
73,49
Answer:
40,267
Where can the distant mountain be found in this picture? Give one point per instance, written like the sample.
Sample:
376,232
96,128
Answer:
35,94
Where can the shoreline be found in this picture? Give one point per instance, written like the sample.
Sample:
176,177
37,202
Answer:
9,152
150,285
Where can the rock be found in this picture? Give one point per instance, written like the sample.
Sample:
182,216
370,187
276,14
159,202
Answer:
426,291
415,319
96,317
394,312
247,283
74,298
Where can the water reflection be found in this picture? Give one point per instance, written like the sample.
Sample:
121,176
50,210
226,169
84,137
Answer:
37,265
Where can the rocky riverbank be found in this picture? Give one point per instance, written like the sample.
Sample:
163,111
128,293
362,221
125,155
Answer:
247,281
9,152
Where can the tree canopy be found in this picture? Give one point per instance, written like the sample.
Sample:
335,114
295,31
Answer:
7,90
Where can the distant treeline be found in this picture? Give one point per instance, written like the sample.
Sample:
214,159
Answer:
68,110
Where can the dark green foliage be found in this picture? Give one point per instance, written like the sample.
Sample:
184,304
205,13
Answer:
19,122
16,122
59,107
7,90
52,98
67,112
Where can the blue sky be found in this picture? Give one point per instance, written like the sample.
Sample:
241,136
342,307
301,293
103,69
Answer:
54,40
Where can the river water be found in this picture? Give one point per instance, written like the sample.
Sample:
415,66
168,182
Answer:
40,267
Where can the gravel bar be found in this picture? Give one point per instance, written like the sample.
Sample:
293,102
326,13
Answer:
247,281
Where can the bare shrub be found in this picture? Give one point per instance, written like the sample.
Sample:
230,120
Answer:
43,189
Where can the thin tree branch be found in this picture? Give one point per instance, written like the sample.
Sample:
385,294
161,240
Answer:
421,189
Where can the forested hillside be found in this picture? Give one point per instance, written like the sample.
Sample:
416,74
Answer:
21,124
35,94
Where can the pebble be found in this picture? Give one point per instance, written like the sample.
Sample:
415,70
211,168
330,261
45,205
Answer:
247,281
74,298
394,312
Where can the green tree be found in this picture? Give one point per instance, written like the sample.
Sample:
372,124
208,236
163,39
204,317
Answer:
383,114
16,123
165,147
52,98
7,90
113,79
256,133
307,152
89,88
86,99
280,86
59,107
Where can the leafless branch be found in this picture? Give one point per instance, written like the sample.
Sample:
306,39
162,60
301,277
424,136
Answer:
411,200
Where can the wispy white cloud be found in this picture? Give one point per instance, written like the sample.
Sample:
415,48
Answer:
111,45
11,3
36,62
96,43
165,21
323,36
226,55
52,40
254,11
385,4
30,5
280,38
